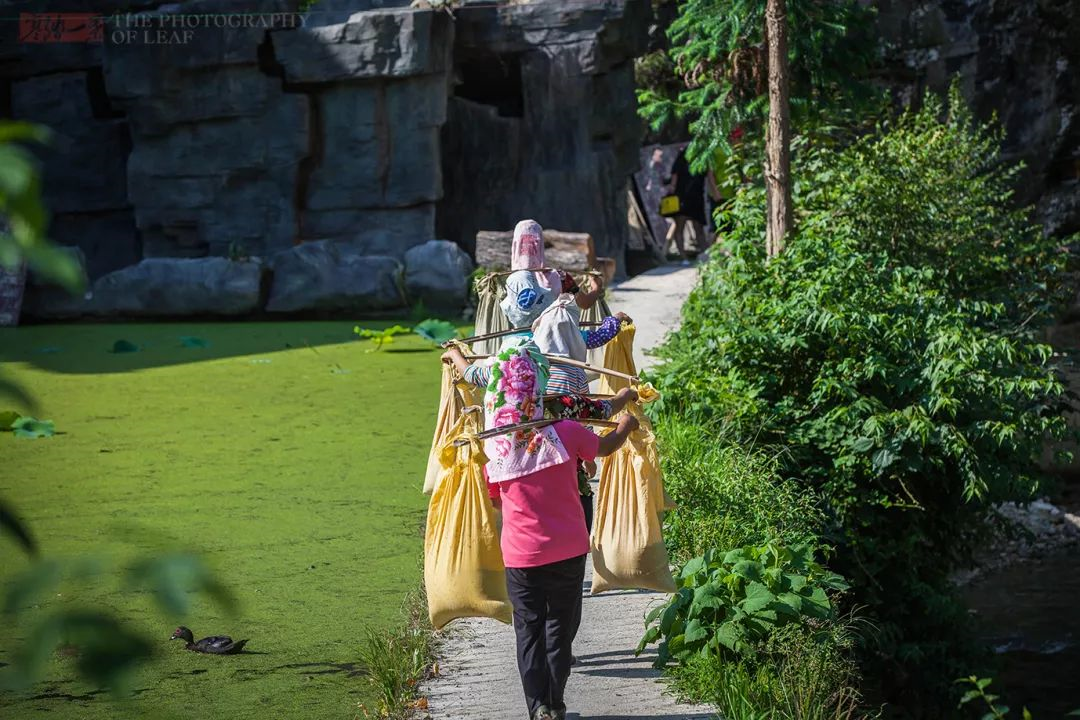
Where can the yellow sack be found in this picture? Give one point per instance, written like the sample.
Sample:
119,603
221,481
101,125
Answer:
463,566
596,313
451,403
628,548
489,316
651,456
619,355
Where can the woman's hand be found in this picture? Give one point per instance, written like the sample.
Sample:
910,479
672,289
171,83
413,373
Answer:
623,398
623,317
454,357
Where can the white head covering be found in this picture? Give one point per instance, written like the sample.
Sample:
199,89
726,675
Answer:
525,298
558,329
527,253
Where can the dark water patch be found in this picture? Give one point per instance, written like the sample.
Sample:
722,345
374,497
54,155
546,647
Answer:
308,668
348,669
55,694
1028,615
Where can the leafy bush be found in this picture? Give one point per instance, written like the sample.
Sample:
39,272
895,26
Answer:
23,219
980,691
108,649
893,348
801,673
728,495
732,601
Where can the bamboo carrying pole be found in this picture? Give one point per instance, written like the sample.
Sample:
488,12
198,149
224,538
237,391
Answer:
556,360
499,273
501,333
505,429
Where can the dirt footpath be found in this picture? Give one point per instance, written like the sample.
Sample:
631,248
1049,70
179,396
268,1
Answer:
478,671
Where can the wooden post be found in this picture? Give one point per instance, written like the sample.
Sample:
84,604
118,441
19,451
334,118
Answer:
778,140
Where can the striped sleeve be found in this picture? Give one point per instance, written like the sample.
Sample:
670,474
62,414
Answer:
478,375
566,380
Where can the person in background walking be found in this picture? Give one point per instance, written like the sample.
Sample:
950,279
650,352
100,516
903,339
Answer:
690,189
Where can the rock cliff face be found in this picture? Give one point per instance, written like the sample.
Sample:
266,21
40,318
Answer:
542,121
360,122
381,127
1016,59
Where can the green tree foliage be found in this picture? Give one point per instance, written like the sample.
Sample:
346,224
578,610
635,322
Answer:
715,73
894,349
23,218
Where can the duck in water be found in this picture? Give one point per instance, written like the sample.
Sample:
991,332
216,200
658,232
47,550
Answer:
213,645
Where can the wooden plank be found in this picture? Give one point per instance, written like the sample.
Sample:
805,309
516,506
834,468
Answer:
562,250
12,287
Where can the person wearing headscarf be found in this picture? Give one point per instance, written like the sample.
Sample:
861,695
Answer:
543,539
530,290
531,286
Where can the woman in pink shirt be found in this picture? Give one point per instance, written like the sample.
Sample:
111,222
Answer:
544,543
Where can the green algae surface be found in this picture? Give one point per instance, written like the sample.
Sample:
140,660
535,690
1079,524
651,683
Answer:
288,455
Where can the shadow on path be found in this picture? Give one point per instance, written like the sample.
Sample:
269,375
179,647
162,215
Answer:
88,348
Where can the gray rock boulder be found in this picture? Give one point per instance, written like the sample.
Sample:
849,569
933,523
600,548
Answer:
325,276
382,231
396,43
437,273
180,286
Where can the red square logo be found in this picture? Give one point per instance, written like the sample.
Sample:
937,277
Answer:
61,28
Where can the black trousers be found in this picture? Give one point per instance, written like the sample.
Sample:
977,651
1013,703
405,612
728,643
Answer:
547,612
587,506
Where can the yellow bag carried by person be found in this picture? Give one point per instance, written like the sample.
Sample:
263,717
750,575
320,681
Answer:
463,566
628,548
618,355
489,316
451,404
595,314
651,467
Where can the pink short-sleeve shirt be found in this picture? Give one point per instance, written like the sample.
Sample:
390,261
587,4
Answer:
543,521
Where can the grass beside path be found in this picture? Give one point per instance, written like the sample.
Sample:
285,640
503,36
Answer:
285,454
